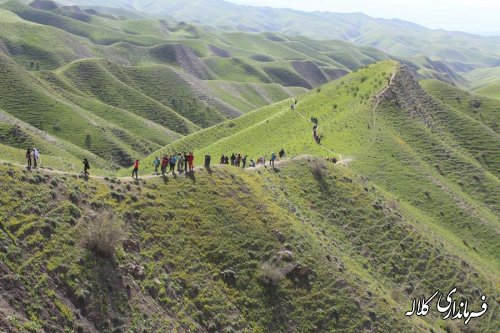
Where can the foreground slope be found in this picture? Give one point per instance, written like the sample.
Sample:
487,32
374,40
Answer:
305,247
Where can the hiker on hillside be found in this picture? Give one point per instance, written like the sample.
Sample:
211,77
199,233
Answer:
273,158
136,170
233,159
222,159
282,153
36,156
86,167
238,160
186,162
244,161
172,162
156,164
164,164
252,163
226,160
180,163
208,158
28,158
191,161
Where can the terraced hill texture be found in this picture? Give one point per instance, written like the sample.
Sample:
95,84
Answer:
116,88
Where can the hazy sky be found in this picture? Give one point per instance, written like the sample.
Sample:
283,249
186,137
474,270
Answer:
462,15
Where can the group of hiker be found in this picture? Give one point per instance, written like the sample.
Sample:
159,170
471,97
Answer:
239,160
32,158
316,137
184,163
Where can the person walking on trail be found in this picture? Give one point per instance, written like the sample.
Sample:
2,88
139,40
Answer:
180,163
164,164
36,156
244,162
233,159
282,153
190,159
186,162
86,167
28,158
156,164
173,161
238,160
226,159
136,170
272,159
222,159
208,158
252,163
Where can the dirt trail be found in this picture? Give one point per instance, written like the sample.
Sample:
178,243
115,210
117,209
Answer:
328,150
42,170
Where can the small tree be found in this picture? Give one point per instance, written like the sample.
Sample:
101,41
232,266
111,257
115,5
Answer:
102,235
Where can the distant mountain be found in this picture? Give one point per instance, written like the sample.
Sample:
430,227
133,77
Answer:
396,37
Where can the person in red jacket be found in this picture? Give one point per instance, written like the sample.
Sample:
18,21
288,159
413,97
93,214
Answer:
164,165
136,170
191,162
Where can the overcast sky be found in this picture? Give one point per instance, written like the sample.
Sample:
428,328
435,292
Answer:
461,15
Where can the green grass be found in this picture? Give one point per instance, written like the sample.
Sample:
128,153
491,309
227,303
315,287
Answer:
190,229
447,172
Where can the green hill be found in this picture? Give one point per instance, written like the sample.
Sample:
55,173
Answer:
411,207
431,155
305,247
396,37
121,88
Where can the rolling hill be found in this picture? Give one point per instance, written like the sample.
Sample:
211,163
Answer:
411,206
396,37
121,88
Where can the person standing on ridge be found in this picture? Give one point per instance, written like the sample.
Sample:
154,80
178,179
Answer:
191,161
208,158
282,153
28,158
36,156
173,161
164,164
136,170
180,163
86,167
186,162
272,159
156,163
244,161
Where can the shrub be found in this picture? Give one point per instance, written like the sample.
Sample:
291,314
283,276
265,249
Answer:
271,275
102,235
318,168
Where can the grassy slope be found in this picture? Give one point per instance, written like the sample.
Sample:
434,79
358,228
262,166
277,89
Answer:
485,81
192,229
284,128
31,101
447,173
126,87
